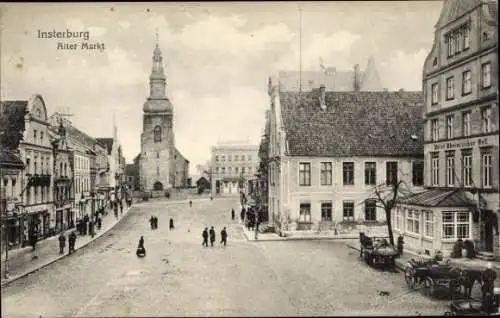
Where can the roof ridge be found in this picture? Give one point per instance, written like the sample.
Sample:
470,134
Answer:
447,196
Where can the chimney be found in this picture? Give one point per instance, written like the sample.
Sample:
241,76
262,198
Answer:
357,80
322,101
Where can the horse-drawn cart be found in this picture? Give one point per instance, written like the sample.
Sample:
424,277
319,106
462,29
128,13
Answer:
377,251
431,275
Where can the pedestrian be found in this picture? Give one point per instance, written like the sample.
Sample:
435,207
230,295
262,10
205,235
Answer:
62,243
242,215
91,229
212,236
121,207
72,241
115,208
141,250
99,223
85,224
171,224
155,222
223,235
141,242
152,222
190,203
205,237
232,214
488,277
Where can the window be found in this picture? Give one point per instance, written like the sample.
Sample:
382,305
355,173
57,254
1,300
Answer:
304,174
229,158
223,158
157,134
458,40
41,137
435,93
466,34
466,83
486,119
242,157
305,213
229,170
466,124
216,158
413,221
28,167
486,167
486,75
417,173
429,223
216,169
435,129
326,173
370,173
242,169
34,136
348,173
391,172
235,157
449,127
450,168
450,88
326,211
223,169
370,210
456,225
35,167
435,169
348,211
249,157
467,168
157,154
236,170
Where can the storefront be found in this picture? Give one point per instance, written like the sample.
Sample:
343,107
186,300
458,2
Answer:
11,226
63,214
36,217
433,220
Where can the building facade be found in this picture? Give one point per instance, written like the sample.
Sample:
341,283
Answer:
460,81
179,171
233,166
328,151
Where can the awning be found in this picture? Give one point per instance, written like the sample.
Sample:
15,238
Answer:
438,198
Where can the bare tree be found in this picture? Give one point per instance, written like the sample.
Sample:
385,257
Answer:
386,196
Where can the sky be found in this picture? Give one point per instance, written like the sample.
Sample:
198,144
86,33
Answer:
217,58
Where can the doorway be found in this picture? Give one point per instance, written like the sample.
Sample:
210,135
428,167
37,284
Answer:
490,222
158,186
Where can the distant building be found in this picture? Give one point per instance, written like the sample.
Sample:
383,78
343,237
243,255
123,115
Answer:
328,150
131,175
334,80
203,183
460,81
233,167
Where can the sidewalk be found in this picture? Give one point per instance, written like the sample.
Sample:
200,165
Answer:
22,263
296,235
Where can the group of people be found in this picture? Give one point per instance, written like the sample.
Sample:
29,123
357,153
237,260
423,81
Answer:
153,220
211,233
71,242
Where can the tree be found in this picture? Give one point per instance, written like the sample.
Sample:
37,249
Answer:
386,197
12,127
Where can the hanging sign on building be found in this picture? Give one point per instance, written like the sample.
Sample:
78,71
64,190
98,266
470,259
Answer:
469,143
36,208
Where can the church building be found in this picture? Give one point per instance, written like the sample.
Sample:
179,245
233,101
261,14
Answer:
158,157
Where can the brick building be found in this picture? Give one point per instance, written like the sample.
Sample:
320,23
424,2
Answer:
460,81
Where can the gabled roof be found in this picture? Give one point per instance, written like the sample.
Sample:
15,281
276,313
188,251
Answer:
353,124
106,143
438,198
453,9
80,136
178,153
9,159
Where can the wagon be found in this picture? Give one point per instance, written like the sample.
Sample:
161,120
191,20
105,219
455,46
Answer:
377,251
432,275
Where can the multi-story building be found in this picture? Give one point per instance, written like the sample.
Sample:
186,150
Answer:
11,171
460,81
328,150
233,165
63,179
102,188
36,184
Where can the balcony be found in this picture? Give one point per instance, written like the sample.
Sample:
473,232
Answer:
62,179
36,180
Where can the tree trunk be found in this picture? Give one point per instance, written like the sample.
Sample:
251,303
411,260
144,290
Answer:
389,226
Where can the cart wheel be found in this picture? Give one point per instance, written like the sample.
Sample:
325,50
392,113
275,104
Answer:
410,277
430,286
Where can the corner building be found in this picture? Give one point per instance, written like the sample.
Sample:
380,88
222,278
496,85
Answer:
460,82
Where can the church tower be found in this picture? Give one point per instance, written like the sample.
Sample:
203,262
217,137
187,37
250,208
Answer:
157,138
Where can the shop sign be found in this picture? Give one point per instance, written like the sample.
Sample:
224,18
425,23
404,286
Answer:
469,143
36,208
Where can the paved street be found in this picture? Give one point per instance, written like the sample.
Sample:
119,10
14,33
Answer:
180,277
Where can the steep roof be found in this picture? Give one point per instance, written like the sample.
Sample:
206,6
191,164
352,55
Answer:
178,153
438,198
353,124
106,143
80,136
453,9
9,159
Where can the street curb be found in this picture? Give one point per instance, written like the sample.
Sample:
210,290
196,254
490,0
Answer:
10,280
292,238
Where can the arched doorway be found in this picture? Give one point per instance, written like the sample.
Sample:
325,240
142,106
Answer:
158,186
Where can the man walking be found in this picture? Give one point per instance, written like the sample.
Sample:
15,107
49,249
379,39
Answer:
232,214
212,236
223,235
62,243
205,237
72,241
171,225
